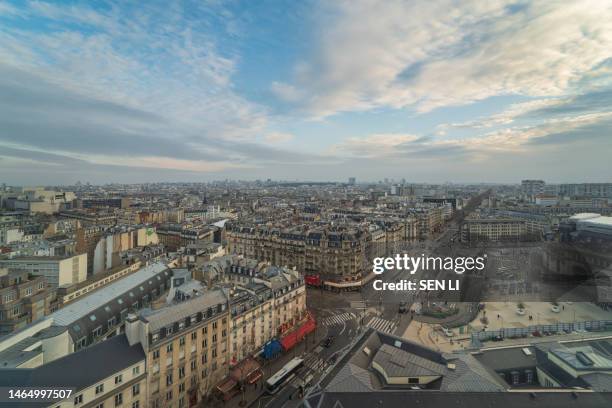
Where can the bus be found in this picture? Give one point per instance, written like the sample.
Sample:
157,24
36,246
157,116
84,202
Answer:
284,375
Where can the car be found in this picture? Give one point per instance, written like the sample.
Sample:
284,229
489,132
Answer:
329,341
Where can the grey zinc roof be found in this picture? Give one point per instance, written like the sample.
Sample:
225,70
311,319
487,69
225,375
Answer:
399,363
77,370
600,382
89,303
173,313
470,376
351,378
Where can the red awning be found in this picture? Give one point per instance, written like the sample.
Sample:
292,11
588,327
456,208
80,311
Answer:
295,336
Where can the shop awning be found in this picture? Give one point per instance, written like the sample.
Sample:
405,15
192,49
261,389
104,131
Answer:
295,336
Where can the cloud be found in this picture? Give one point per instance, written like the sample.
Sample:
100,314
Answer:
427,55
278,137
139,87
512,112
377,145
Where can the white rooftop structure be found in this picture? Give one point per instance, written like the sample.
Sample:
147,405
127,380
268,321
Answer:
598,225
80,308
584,216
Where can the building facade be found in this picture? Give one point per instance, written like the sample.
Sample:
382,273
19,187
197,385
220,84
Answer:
23,299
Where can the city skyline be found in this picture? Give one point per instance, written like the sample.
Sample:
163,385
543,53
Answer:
460,92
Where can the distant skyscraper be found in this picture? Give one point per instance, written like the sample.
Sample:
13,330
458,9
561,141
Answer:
352,181
532,187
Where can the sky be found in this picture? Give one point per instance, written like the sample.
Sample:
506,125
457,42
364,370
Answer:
444,91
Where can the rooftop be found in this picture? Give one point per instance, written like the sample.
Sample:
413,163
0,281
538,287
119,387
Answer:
173,313
76,310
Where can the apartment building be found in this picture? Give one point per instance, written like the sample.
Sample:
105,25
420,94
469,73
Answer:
103,202
10,234
186,346
23,298
58,270
109,374
116,240
336,253
265,301
586,190
531,188
175,236
87,239
430,220
493,229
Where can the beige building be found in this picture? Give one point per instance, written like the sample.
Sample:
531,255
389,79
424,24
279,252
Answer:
58,270
186,345
23,299
333,253
493,229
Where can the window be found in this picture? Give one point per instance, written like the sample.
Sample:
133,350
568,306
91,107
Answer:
119,379
169,348
136,370
99,388
169,379
193,365
168,395
136,404
100,405
194,335
78,399
118,399
155,354
135,390
182,387
182,341
181,372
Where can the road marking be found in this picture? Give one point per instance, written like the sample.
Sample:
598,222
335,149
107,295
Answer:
337,319
382,325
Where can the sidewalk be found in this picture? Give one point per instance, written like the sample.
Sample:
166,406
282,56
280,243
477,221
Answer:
253,392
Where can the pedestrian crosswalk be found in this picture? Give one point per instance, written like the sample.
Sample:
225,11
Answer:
337,319
382,325
316,363
359,305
